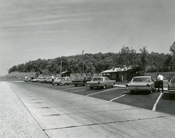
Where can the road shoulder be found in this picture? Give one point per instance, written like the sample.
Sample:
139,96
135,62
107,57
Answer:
15,120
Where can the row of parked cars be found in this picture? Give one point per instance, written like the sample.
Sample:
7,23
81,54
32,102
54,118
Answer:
97,81
138,83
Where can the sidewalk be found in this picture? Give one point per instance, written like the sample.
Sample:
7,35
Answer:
15,120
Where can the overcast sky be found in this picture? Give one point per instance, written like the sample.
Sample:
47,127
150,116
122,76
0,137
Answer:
32,29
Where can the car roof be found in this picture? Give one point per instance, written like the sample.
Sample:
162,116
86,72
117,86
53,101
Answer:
142,77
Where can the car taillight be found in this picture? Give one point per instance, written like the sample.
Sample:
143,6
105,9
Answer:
148,85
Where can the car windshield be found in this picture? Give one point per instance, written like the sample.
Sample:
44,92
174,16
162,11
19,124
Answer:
97,79
141,80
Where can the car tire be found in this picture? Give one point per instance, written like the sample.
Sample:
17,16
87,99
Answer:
131,91
91,88
75,85
113,85
104,87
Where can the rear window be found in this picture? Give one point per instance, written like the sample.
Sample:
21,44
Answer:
141,80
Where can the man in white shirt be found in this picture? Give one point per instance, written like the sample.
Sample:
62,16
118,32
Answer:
160,82
53,78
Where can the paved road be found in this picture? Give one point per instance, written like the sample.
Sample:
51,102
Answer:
155,101
64,113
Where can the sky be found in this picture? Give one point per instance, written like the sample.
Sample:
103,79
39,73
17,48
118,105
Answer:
46,29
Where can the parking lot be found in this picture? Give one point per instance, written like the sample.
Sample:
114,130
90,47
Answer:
157,101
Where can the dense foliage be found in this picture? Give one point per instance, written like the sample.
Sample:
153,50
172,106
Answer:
93,63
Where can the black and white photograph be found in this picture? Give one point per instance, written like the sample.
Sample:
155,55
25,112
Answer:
87,69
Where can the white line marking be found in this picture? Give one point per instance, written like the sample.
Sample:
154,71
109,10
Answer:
117,97
101,92
73,88
79,90
154,107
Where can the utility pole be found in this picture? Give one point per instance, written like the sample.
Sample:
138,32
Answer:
61,67
82,60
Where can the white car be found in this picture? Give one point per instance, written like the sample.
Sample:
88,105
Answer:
62,80
100,82
141,83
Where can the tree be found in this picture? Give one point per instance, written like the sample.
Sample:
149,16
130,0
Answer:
144,54
172,48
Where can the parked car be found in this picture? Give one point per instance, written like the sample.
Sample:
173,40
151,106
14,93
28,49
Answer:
62,80
171,85
42,79
100,82
34,80
26,79
49,80
141,83
81,81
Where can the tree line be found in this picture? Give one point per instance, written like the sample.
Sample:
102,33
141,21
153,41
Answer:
95,63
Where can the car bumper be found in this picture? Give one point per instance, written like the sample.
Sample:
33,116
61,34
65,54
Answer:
77,83
94,85
139,88
171,91
56,82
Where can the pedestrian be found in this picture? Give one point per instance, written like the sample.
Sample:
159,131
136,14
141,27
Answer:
160,82
53,78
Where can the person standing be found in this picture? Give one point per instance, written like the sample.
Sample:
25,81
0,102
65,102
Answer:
53,78
160,82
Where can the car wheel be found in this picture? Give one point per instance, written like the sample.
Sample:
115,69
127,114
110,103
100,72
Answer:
91,88
104,87
151,91
75,85
131,91
113,85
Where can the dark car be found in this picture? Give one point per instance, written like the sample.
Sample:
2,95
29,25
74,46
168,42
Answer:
81,81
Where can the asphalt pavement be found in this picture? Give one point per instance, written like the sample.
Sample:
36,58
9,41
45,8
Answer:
24,115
